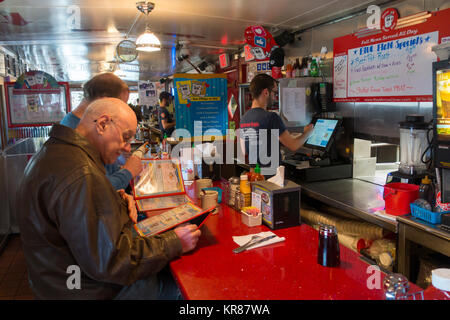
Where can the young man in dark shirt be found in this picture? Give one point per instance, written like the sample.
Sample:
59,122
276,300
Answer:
165,119
261,129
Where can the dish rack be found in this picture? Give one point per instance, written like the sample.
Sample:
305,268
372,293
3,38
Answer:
429,216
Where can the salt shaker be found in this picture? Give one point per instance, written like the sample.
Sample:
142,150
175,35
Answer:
395,286
234,187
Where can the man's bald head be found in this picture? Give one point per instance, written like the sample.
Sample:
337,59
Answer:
112,107
108,123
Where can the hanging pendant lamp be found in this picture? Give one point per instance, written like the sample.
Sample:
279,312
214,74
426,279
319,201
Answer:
147,41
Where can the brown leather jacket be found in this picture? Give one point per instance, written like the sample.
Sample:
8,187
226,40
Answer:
69,214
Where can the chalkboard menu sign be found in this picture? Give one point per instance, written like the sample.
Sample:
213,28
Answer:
394,66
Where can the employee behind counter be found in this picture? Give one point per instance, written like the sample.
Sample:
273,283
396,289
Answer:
165,119
263,89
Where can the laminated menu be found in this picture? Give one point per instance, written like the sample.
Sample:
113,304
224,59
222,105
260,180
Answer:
159,185
167,220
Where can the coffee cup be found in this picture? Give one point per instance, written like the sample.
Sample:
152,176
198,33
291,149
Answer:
200,184
209,199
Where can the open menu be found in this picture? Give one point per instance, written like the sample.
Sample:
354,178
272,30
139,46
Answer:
158,177
167,220
150,204
159,185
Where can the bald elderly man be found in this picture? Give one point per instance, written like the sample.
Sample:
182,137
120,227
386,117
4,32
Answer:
76,230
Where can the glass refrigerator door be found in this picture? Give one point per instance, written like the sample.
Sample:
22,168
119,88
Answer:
245,98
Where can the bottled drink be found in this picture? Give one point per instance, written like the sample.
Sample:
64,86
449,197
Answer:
320,64
425,190
289,70
246,191
251,174
297,68
314,69
257,175
305,71
309,65
165,148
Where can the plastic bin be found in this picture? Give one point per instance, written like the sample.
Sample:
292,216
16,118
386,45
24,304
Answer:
428,216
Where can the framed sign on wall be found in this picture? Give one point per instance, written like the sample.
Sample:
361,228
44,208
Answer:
389,65
201,103
36,99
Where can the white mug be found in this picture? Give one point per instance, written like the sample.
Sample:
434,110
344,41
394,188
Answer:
200,184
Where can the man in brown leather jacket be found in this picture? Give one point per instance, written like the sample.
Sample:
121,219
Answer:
74,224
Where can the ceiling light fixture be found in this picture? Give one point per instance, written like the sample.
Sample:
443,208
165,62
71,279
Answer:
147,41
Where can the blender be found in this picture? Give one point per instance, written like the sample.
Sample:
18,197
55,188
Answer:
413,143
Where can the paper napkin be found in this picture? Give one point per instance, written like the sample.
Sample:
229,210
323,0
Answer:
241,240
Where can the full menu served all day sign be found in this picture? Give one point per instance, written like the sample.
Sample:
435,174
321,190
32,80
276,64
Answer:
393,65
201,103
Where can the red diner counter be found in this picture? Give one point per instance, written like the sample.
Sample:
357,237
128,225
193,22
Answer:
286,270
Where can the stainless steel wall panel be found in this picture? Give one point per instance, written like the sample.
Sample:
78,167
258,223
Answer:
15,159
432,5
381,119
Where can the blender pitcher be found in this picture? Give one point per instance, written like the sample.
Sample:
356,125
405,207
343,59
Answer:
413,142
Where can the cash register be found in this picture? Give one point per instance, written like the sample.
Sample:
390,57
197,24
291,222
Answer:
323,163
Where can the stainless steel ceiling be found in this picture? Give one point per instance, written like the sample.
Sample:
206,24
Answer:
40,31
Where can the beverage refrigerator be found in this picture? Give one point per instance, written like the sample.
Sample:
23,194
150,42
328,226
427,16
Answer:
441,125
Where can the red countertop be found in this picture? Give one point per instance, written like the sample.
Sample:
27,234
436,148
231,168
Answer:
283,271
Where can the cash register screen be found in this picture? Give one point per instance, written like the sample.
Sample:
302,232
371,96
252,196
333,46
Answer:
324,131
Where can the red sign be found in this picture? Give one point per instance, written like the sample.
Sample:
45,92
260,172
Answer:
224,60
248,53
260,41
13,18
389,19
392,66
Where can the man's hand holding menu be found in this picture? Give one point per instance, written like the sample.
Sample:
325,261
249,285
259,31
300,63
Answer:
188,234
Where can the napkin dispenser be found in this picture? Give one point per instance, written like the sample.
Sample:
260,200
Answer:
280,206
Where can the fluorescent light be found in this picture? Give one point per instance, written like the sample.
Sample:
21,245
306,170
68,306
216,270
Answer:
148,42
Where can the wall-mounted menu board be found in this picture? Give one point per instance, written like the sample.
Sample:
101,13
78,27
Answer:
36,99
393,66
201,104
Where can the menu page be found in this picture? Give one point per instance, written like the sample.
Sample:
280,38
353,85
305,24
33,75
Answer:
161,202
158,177
167,220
